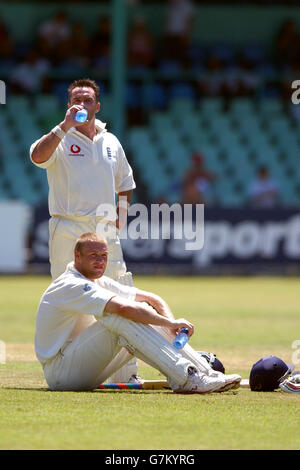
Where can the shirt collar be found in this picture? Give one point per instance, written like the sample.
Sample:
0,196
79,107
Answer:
71,269
100,126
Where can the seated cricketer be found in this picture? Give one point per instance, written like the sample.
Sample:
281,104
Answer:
88,326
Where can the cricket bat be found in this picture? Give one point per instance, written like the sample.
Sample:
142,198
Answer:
143,385
149,385
244,383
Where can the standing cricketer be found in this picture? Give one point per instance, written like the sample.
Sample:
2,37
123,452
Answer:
87,169
78,356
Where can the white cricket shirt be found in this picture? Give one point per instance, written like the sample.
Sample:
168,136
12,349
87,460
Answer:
69,306
82,174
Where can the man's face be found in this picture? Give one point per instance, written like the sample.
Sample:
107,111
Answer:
92,260
86,97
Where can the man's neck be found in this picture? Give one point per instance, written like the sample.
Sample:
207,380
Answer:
85,274
89,130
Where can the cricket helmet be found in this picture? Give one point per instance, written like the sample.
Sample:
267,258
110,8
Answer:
267,373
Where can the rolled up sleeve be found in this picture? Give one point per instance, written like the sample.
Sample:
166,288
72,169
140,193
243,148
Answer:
46,164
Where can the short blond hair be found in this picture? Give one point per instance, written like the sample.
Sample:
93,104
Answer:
84,83
87,237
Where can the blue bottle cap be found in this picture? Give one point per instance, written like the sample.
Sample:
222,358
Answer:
184,330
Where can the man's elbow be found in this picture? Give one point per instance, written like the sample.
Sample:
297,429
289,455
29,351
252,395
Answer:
119,307
37,157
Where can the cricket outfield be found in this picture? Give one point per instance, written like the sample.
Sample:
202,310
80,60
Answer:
239,319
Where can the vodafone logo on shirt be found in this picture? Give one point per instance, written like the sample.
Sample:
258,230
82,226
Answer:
75,151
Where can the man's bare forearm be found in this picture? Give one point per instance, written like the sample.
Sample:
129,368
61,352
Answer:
156,302
137,312
48,144
123,202
46,147
141,313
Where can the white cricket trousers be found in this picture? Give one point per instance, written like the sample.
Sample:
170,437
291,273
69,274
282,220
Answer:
63,233
84,363
81,364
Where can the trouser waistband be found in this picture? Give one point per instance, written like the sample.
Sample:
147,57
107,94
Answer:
92,220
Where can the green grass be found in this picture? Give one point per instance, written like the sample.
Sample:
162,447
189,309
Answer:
240,319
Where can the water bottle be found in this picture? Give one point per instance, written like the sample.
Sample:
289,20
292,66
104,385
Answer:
81,115
181,339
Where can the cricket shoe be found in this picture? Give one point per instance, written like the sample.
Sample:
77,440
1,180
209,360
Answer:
232,382
198,382
135,379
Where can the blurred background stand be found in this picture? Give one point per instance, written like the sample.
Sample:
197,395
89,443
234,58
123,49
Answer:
216,84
